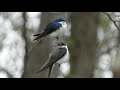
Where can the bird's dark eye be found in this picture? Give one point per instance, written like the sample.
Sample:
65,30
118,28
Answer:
62,20
63,44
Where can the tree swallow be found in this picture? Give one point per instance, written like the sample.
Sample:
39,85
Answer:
55,25
59,55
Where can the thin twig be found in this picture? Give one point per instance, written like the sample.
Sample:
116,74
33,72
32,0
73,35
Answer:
112,20
56,13
117,20
24,33
117,15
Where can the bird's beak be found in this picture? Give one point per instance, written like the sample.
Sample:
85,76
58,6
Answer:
59,46
66,21
54,46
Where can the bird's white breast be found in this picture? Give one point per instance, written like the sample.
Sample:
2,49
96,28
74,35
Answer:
64,25
65,58
60,30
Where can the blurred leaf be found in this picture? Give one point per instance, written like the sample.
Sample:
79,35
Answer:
70,43
104,21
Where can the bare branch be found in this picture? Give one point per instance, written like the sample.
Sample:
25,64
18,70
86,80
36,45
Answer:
112,20
24,35
117,15
56,13
117,21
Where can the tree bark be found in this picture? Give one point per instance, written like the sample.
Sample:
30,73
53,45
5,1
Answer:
24,35
116,63
84,49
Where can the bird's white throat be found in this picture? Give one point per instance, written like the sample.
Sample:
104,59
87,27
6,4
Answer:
60,30
64,24
63,47
66,57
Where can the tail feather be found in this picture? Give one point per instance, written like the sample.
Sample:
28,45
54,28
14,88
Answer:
45,66
50,70
39,70
38,36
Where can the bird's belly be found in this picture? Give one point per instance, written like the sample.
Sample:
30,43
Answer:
64,58
57,32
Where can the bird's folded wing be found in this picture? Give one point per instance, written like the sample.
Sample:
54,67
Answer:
54,56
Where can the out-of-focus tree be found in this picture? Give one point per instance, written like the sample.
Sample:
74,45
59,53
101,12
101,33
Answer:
116,62
38,54
84,43
108,32
12,50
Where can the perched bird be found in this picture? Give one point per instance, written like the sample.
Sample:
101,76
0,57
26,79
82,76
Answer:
55,25
59,55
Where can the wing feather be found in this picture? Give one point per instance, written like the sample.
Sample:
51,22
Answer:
54,56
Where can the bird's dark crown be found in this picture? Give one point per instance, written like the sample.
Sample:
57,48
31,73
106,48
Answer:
61,43
61,19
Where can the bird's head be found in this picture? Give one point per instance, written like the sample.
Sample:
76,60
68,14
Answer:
61,19
61,44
